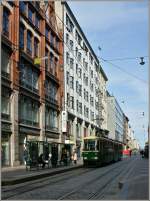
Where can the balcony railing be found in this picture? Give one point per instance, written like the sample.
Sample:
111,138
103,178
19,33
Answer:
5,116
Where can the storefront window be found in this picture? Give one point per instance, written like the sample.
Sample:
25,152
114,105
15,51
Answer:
5,152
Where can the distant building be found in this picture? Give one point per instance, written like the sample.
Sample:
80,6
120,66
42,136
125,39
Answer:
115,123
125,128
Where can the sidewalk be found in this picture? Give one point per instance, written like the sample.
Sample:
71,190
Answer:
15,175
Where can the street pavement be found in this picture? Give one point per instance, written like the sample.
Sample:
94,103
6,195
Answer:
124,180
19,174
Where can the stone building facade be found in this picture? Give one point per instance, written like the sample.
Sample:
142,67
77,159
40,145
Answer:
84,78
31,94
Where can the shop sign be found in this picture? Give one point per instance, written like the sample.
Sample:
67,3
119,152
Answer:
64,121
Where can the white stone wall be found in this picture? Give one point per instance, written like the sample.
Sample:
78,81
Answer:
111,117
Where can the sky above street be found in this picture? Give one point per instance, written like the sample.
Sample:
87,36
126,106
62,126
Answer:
120,28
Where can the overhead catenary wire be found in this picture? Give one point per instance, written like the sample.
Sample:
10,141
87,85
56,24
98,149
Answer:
123,70
125,58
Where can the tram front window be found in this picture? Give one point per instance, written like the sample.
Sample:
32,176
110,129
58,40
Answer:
90,145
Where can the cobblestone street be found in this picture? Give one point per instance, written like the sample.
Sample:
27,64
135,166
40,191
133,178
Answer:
88,183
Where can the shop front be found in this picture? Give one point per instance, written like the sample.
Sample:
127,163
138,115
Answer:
5,144
5,150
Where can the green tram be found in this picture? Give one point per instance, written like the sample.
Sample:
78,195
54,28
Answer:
101,150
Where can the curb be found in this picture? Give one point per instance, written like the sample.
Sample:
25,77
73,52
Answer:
38,176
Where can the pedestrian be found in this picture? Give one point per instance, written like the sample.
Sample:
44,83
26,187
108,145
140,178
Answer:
75,157
25,154
41,160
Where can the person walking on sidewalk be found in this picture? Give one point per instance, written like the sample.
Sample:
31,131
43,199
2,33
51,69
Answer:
75,157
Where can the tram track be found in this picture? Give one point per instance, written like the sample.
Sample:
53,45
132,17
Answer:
78,191
60,179
101,192
54,179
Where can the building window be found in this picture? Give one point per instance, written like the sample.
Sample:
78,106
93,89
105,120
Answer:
51,62
77,105
29,111
77,69
80,108
22,6
37,21
29,42
5,63
5,104
79,72
72,102
71,45
47,33
76,51
77,86
68,100
67,58
51,119
36,47
51,91
79,56
30,14
71,63
46,60
67,38
57,43
52,39
6,21
80,90
29,78
67,77
21,39
71,82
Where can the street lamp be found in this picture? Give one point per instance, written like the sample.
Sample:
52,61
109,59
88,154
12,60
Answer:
142,62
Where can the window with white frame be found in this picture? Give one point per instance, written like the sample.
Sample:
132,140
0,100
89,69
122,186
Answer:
71,82
71,102
71,63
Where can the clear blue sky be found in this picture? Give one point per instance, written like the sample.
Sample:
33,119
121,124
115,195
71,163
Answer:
121,30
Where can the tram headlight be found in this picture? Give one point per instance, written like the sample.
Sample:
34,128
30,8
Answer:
85,158
95,157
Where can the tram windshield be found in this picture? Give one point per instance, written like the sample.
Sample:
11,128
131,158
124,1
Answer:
90,145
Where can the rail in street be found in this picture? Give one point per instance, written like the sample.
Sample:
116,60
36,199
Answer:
82,183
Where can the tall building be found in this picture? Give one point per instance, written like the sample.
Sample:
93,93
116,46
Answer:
31,94
115,121
83,76
125,131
